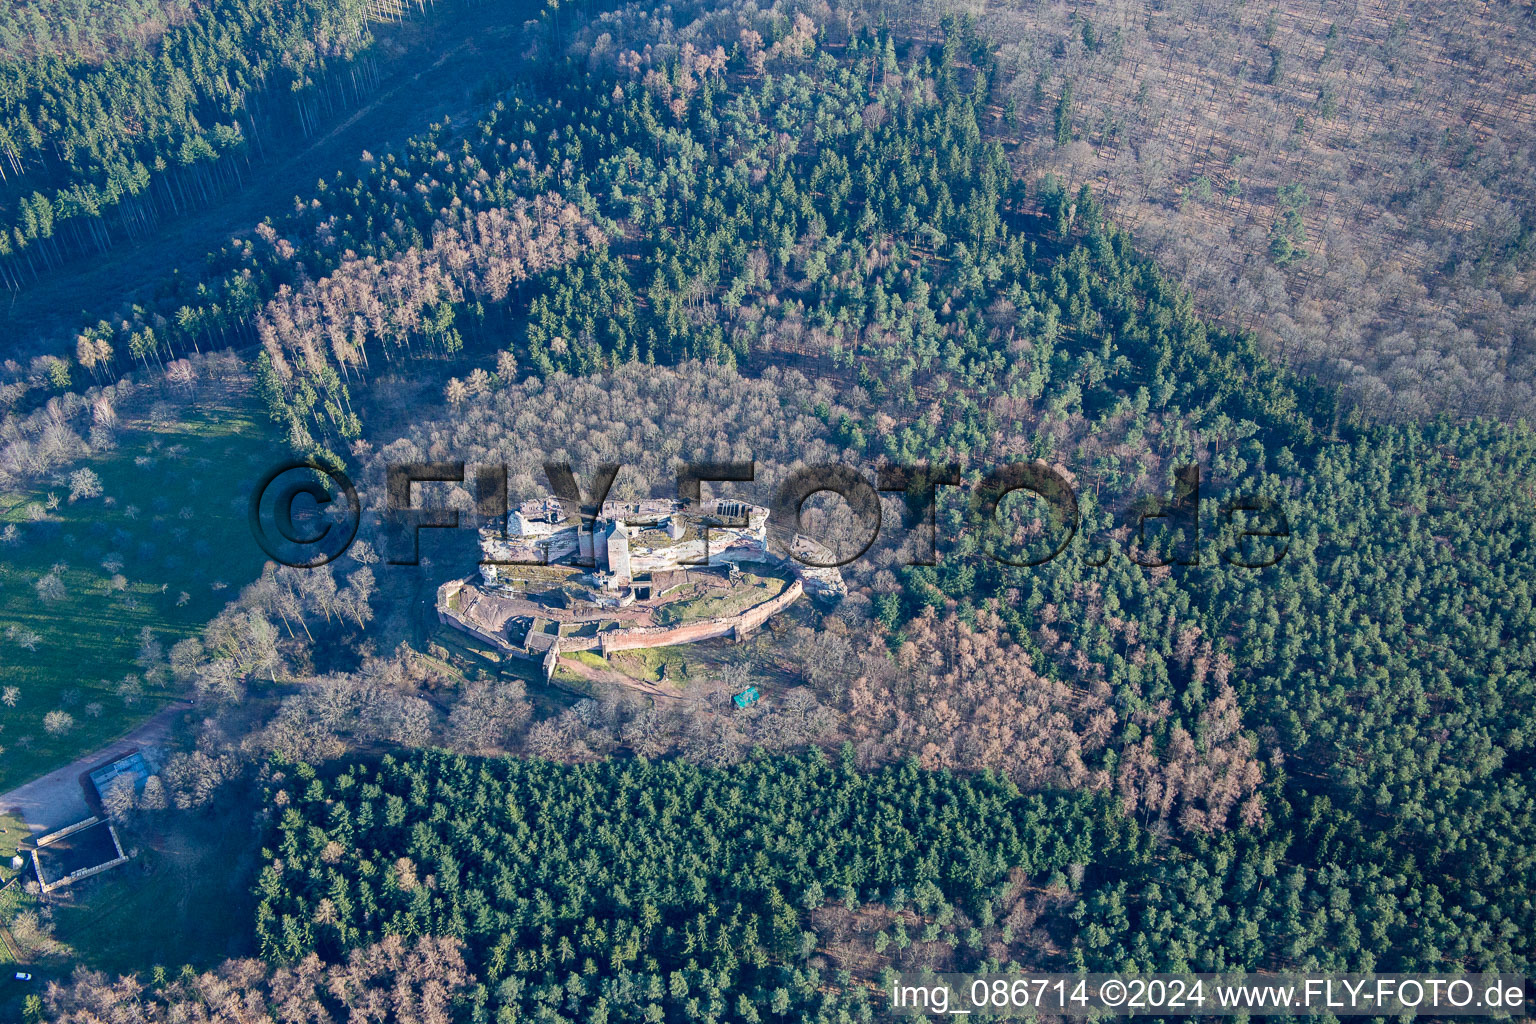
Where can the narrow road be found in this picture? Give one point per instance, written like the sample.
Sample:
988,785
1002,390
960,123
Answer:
58,799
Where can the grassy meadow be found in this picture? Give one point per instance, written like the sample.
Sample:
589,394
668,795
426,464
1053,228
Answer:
163,547
647,663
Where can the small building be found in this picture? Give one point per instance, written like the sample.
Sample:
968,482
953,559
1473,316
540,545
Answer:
77,852
746,698
133,769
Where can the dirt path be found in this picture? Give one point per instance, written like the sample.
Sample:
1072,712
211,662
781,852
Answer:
445,61
58,798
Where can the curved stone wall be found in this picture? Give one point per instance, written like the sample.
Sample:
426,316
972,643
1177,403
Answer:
634,637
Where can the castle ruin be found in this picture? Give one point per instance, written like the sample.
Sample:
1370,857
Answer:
625,575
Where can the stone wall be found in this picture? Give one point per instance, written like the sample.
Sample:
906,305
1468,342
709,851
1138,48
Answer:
733,626
636,637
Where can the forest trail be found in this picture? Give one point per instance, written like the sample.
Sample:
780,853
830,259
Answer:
430,83
58,798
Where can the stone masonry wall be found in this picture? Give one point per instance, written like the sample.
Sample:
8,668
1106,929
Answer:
638,637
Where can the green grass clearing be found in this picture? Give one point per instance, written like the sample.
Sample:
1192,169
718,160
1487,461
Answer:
751,591
12,831
571,682
164,546
646,663
589,658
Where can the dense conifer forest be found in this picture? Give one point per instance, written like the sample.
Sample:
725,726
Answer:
662,891
92,151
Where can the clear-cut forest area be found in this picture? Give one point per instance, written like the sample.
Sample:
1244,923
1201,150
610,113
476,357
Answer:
1280,723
